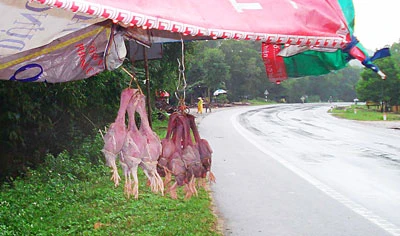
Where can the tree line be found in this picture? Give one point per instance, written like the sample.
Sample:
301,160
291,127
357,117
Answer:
372,88
237,66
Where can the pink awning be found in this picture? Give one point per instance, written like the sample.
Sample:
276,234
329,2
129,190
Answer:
64,40
301,22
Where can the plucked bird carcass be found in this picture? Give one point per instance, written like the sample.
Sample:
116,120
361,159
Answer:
116,133
133,150
182,157
153,148
137,146
204,150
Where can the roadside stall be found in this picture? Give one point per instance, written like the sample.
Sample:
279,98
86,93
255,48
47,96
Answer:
55,41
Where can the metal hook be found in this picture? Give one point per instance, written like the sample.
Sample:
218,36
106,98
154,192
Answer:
181,68
133,78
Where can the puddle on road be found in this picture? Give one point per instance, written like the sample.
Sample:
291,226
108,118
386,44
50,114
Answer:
317,159
387,159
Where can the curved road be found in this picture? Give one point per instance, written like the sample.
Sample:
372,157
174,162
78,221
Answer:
296,170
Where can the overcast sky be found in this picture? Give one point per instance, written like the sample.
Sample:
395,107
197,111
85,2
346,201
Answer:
377,22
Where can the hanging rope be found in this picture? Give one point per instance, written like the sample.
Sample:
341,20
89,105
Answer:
181,79
133,78
181,85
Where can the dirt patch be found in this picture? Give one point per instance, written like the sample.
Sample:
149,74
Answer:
219,227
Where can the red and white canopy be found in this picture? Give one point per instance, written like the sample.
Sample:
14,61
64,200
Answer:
311,22
64,40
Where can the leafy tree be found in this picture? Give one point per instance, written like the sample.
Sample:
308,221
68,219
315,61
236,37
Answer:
395,51
339,85
248,76
216,68
373,88
209,69
39,118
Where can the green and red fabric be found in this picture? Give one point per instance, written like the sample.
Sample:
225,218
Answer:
288,61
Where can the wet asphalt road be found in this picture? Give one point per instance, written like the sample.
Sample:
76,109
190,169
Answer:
296,170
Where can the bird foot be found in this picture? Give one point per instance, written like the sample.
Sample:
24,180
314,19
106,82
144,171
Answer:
160,184
115,177
173,194
193,187
188,192
172,191
135,191
211,177
201,183
127,189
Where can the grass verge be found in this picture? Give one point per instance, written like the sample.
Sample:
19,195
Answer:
260,101
360,112
72,194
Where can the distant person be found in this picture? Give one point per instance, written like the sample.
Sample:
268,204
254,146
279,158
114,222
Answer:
200,106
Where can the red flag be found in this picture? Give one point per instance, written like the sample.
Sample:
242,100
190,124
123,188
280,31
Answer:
274,64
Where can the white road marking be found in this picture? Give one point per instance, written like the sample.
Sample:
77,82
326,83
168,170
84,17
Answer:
357,208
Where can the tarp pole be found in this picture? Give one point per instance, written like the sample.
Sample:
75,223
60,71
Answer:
146,67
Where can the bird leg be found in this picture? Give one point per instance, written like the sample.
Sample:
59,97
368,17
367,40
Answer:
201,183
160,183
211,177
168,177
150,169
135,190
115,176
193,186
110,160
172,191
188,191
153,184
190,188
128,185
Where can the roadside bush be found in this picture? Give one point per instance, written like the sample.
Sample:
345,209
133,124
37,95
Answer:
71,194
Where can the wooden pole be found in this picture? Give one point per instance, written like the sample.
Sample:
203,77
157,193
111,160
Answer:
146,67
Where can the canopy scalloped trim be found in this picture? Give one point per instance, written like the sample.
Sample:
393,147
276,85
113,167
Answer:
131,19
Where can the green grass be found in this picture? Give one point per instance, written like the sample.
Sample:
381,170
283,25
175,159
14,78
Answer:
260,101
72,193
160,127
360,112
